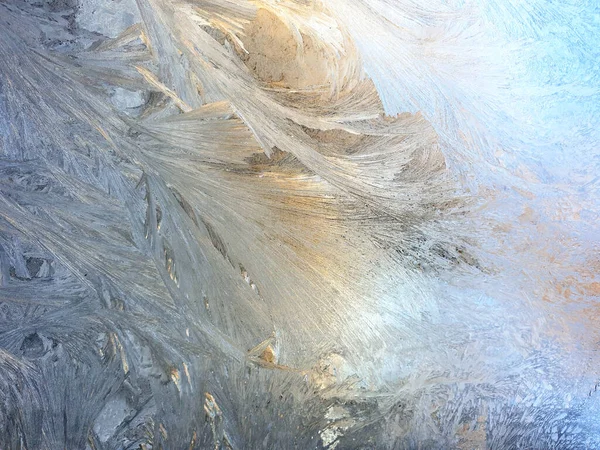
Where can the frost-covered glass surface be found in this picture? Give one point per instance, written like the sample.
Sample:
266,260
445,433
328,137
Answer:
278,224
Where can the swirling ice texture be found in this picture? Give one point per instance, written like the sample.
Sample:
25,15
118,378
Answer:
295,224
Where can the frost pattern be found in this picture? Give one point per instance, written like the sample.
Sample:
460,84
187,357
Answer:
299,224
